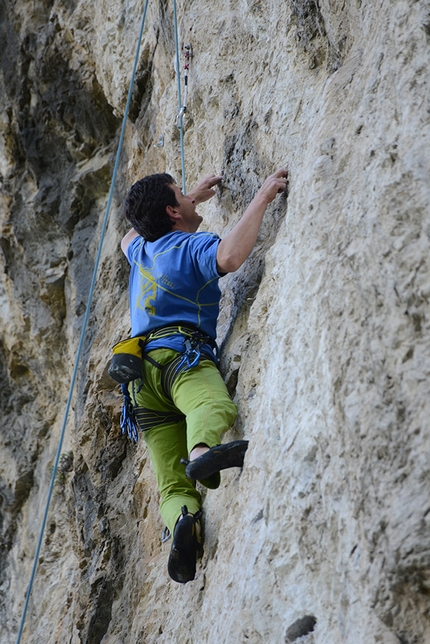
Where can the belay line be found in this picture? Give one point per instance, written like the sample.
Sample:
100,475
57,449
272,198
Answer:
182,107
84,328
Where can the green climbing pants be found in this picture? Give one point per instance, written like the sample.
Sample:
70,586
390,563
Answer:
202,397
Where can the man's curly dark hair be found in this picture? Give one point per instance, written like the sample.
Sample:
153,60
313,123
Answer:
145,205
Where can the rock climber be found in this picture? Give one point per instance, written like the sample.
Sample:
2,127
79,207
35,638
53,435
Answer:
181,402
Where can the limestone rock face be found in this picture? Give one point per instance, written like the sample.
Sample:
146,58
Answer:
323,537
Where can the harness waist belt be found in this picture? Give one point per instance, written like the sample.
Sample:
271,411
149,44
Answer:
184,329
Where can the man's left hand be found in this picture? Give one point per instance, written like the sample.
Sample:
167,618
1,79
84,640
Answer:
204,190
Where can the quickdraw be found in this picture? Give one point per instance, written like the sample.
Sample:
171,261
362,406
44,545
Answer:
191,355
187,55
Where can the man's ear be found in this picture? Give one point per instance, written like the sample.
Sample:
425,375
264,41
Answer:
173,214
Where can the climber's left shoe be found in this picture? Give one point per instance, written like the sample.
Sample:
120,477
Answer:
185,547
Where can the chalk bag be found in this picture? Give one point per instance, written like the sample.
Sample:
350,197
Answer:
126,363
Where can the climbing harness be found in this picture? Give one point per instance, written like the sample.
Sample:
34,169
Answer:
126,363
146,419
127,366
189,358
84,328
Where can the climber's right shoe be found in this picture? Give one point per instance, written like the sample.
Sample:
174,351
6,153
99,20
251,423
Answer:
185,547
213,482
216,459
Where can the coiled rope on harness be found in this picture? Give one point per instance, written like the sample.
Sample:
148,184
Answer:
84,327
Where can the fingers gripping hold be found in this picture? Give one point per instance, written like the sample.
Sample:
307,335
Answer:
274,185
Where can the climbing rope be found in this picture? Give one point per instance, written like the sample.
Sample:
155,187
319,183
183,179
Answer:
84,328
179,118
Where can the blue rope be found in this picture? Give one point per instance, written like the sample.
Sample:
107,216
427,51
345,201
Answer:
84,328
178,76
128,422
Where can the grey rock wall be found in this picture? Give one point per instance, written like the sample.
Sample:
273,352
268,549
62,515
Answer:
324,536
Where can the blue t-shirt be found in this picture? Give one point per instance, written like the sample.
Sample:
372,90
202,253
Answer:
174,280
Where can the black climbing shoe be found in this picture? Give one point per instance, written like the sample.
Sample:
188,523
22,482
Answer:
213,482
185,548
216,459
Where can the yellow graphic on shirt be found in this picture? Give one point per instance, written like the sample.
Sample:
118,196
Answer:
149,287
148,292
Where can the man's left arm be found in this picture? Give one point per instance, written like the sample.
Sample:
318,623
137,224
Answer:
127,239
204,190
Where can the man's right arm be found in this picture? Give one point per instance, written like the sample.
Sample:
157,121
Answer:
127,239
237,245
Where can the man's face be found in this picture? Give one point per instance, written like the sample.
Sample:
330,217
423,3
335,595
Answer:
190,220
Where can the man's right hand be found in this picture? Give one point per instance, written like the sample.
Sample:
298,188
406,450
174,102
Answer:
274,185
236,246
